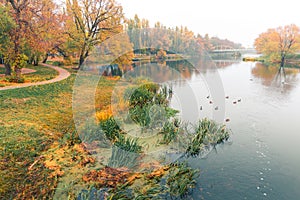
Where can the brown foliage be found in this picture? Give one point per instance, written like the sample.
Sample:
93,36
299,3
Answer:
107,177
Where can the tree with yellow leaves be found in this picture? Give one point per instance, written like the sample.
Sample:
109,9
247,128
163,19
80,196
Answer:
278,43
90,22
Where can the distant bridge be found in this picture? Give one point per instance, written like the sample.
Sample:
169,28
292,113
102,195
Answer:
230,50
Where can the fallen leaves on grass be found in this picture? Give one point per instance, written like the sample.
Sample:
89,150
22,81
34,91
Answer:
107,177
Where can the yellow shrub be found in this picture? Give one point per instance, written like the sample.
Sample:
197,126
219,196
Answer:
104,114
113,78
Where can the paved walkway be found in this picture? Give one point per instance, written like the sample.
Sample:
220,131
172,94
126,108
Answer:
63,74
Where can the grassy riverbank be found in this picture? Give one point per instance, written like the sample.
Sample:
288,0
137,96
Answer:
292,61
42,156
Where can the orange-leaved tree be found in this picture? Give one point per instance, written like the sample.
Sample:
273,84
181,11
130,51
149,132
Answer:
47,30
278,43
35,30
16,35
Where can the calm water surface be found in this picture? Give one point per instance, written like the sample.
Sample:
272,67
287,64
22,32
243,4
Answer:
262,159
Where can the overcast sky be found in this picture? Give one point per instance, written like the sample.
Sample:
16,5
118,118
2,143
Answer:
237,20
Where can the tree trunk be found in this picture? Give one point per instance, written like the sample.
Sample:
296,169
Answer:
45,58
82,57
7,69
282,61
36,61
18,72
62,52
81,61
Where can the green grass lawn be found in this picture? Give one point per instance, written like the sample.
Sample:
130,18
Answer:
32,120
41,74
2,70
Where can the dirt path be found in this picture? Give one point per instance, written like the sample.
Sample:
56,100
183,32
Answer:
63,74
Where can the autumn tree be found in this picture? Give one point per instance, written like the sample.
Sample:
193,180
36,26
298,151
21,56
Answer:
118,50
133,28
6,25
179,40
207,43
90,22
32,30
279,42
17,11
47,30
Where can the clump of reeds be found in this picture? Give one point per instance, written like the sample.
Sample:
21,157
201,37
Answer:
142,99
125,152
110,128
206,133
170,131
181,180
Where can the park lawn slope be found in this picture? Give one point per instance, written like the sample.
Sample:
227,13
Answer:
34,121
41,73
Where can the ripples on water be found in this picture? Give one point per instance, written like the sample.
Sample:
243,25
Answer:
263,161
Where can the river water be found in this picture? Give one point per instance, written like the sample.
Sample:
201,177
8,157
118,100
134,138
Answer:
262,158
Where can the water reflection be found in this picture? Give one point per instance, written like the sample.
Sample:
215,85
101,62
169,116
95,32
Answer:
225,63
263,160
191,66
181,70
272,76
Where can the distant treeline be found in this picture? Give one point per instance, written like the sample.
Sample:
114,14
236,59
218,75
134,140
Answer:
177,40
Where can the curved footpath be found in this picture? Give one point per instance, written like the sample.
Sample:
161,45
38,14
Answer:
63,74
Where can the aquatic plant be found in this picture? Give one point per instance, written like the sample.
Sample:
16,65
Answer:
174,181
170,131
121,192
125,152
148,104
140,115
92,194
164,95
206,133
150,190
128,144
180,180
141,95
